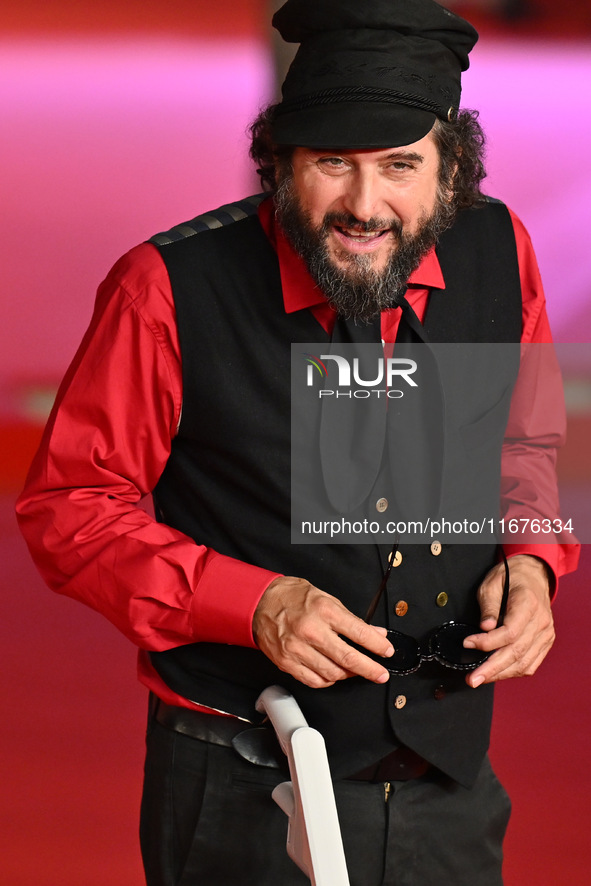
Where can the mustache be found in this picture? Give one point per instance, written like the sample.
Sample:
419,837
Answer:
346,220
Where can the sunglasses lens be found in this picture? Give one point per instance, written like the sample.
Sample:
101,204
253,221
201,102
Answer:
447,644
406,658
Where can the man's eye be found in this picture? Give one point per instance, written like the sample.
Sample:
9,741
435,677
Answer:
400,165
332,162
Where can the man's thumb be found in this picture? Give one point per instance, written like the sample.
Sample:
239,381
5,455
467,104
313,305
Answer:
489,598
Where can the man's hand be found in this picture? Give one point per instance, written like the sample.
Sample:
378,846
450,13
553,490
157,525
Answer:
527,634
297,626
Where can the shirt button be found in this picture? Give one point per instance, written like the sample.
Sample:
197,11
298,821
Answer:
382,505
400,701
436,548
439,692
397,558
442,599
401,607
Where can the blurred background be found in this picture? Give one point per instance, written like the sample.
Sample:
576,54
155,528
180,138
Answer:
121,119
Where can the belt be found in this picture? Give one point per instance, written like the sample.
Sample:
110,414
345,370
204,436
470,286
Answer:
212,728
259,745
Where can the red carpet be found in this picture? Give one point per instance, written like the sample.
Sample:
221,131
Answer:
72,742
541,747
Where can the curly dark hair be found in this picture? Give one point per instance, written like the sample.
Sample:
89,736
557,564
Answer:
264,152
461,145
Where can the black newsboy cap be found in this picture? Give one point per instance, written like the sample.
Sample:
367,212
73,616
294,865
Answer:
369,73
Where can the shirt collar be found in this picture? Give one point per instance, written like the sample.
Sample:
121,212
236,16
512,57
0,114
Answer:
299,289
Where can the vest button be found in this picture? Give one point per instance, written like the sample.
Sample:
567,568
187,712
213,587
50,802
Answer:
442,599
436,548
382,505
439,692
397,558
401,607
400,701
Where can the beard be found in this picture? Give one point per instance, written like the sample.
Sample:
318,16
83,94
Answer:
357,291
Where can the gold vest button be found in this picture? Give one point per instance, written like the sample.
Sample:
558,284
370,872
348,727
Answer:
400,701
382,505
442,599
401,607
436,548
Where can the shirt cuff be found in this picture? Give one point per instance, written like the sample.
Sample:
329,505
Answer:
228,593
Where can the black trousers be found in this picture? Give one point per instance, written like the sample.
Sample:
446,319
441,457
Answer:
208,820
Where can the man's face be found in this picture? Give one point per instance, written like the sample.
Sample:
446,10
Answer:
363,219
388,188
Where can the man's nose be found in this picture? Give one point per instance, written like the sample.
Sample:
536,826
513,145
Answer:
362,197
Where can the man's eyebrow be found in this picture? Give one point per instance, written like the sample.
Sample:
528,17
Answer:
406,155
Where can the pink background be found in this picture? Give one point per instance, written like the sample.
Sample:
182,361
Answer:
107,141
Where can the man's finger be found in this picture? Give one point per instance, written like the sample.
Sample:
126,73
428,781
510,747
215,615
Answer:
504,665
489,641
315,670
372,638
356,663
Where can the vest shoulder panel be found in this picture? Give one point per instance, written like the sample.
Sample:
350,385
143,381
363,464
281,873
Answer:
208,221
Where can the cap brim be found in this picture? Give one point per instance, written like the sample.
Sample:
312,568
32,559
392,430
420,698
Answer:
353,125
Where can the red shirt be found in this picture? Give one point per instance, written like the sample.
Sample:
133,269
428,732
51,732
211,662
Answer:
109,437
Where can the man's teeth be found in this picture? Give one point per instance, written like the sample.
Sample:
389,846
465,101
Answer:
361,235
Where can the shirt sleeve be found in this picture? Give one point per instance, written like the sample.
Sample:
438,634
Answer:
536,427
106,444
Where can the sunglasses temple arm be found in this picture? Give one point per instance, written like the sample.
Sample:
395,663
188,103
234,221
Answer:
374,603
505,597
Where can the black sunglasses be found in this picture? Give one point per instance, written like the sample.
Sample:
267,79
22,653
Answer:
443,644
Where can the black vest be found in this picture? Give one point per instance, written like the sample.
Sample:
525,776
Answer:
227,484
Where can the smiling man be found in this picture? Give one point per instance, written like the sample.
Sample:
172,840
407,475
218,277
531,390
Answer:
373,228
